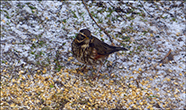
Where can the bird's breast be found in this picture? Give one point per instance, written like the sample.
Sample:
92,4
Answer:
85,46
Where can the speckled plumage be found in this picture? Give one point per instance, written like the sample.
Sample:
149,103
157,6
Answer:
90,50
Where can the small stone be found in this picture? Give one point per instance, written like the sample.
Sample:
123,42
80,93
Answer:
180,39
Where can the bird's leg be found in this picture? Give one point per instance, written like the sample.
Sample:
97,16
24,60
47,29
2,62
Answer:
98,71
99,68
83,68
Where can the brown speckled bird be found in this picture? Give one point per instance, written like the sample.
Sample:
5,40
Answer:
90,50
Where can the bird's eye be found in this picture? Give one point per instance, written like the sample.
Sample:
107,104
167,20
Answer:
80,37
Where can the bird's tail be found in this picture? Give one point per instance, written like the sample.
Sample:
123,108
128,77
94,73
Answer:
115,49
121,48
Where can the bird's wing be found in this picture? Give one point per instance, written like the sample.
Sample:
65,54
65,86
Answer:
101,47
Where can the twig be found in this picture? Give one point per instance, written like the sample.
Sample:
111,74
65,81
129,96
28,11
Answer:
145,9
167,55
97,23
116,11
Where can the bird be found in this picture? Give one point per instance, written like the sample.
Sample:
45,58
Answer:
89,50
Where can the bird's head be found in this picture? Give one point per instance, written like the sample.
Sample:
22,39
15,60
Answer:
83,36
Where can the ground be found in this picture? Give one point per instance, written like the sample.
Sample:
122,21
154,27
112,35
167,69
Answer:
38,70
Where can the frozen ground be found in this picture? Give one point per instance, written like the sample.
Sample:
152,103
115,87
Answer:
39,72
